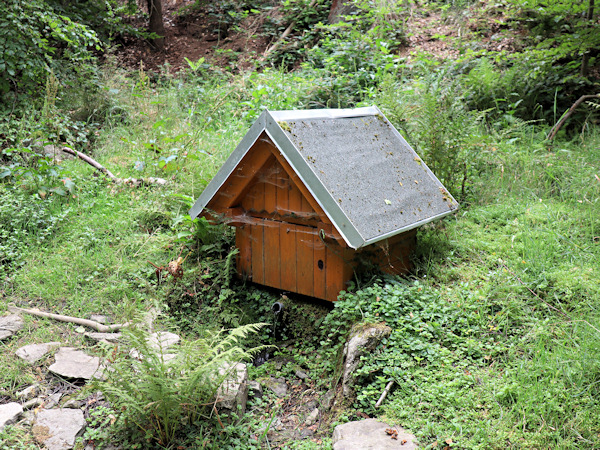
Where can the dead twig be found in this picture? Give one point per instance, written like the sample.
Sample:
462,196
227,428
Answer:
92,162
384,394
285,34
130,181
568,114
85,322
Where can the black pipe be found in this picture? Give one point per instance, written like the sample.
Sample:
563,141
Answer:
277,307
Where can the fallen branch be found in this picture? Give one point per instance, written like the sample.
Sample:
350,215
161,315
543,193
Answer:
129,181
285,34
85,322
384,394
568,114
91,162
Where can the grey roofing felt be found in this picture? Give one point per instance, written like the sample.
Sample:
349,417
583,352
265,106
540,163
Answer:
365,176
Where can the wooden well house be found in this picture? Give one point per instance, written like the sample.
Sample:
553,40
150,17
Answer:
313,194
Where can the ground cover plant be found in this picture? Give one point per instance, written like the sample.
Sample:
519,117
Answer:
496,333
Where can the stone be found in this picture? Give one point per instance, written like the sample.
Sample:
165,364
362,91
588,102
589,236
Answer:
306,432
9,413
9,325
52,400
29,392
34,352
33,403
72,363
301,374
104,337
233,392
57,429
363,340
255,389
162,340
327,399
370,434
277,385
312,417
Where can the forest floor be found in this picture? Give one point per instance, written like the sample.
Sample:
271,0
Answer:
195,34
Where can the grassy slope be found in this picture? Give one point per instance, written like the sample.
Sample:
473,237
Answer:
520,261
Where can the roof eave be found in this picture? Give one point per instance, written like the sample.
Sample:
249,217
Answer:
409,227
230,164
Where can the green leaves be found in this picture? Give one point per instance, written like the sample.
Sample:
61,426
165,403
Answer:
161,395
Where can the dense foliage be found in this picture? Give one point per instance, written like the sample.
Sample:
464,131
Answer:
495,335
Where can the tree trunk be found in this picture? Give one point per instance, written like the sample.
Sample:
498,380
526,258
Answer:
156,24
340,8
586,56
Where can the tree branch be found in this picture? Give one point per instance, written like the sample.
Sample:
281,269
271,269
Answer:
85,322
568,114
91,162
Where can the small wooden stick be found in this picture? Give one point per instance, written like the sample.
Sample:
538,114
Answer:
285,34
85,322
91,162
131,181
384,394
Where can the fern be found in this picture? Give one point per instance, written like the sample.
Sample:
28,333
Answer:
159,394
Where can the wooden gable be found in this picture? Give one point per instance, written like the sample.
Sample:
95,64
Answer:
284,237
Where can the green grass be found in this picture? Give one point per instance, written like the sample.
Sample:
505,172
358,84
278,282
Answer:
496,345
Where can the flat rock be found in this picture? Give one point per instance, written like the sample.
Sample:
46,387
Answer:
162,340
29,392
370,434
277,385
72,363
9,325
9,413
301,374
233,392
57,429
108,337
33,352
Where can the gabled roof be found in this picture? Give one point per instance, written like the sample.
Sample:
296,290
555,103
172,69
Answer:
367,179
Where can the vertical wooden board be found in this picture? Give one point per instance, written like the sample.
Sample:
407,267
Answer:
258,263
272,254
244,244
287,246
247,202
334,278
306,207
283,196
270,190
320,267
294,199
304,261
258,197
